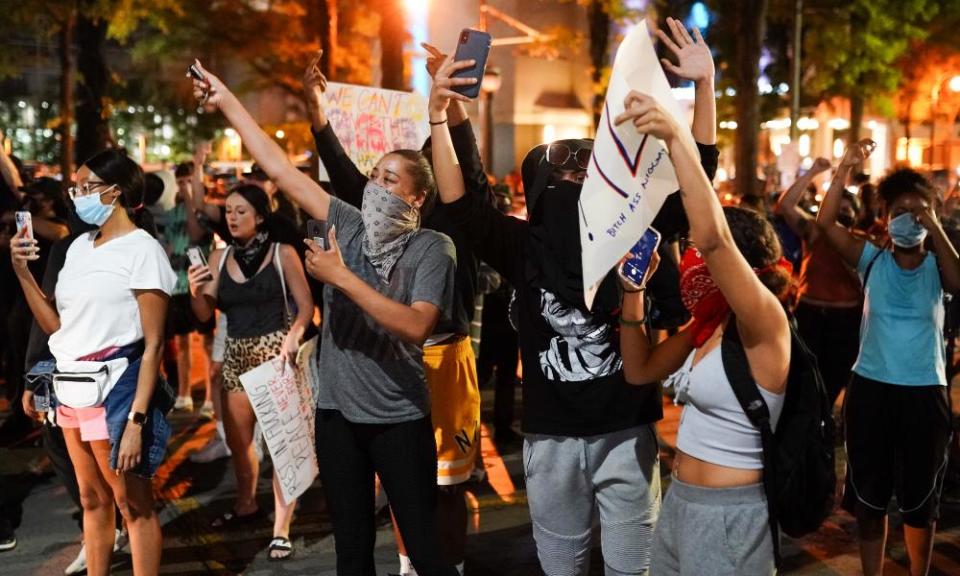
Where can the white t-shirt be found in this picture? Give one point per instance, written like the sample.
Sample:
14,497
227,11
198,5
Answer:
95,298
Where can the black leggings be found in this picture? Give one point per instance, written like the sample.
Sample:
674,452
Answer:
405,457
833,335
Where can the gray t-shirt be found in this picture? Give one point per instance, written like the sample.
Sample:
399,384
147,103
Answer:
368,374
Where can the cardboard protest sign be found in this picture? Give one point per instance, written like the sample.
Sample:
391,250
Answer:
285,411
372,121
630,175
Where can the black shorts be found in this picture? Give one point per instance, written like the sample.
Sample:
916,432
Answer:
181,319
897,440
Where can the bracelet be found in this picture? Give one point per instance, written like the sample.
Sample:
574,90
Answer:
631,323
444,121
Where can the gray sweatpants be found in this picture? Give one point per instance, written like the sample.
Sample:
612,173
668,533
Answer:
568,479
713,532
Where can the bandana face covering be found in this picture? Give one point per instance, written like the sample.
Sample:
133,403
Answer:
250,257
388,224
701,296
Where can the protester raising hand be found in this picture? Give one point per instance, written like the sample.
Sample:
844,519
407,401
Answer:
209,91
647,116
314,85
443,83
695,62
435,58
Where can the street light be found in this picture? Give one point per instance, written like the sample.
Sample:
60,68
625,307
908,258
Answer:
489,86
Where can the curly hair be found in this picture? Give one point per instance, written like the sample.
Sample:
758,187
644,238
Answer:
902,182
757,240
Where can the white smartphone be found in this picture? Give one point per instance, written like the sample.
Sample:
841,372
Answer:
24,220
195,254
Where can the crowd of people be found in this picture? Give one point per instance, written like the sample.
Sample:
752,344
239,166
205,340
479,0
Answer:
102,296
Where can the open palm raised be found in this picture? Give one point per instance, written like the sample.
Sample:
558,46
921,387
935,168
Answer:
693,54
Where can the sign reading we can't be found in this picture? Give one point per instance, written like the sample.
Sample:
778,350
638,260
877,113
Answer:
372,121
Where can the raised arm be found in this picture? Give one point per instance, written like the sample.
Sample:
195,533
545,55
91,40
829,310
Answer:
763,322
345,178
947,258
802,223
446,168
694,62
22,251
846,244
9,172
301,189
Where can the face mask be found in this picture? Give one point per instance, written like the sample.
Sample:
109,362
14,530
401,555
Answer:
906,232
388,223
701,296
91,210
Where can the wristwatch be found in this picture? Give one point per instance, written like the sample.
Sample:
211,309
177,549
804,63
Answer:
138,418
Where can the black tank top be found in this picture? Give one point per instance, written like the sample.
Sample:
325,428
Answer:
255,307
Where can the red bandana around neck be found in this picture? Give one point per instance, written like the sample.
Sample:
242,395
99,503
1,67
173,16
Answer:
702,297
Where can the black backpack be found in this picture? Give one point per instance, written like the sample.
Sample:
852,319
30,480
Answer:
799,477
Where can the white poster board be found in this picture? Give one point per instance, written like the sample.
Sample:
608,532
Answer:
284,409
630,175
372,121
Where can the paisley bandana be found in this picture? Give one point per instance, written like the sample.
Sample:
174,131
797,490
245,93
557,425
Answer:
702,297
388,224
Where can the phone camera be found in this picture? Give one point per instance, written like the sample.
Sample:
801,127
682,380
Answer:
463,38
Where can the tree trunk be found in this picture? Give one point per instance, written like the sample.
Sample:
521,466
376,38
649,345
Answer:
749,28
392,38
599,48
93,130
857,104
321,23
67,151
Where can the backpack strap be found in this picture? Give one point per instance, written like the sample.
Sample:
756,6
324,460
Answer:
283,283
737,368
866,273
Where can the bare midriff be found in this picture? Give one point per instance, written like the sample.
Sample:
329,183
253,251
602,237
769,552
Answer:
694,471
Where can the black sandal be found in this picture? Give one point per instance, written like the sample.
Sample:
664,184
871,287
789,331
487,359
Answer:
230,520
280,544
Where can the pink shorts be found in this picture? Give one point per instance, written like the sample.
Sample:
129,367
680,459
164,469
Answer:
92,422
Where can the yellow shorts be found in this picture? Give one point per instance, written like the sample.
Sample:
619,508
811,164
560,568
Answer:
454,407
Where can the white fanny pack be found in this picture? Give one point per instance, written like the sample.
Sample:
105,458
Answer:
85,384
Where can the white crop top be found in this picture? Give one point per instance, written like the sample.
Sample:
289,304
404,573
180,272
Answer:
713,426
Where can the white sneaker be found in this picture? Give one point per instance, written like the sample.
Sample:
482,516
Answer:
215,449
79,564
183,404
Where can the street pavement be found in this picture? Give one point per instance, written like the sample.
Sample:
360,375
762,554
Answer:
191,495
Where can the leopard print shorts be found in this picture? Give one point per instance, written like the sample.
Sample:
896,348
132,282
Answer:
244,354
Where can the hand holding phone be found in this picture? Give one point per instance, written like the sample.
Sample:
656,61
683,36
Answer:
194,72
196,257
473,45
635,266
24,220
317,231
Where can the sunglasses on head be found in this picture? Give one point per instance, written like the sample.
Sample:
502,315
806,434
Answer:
559,154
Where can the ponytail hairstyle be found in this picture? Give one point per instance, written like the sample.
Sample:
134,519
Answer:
115,168
419,168
757,240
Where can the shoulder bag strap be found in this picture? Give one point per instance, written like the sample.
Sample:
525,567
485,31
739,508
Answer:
866,273
283,282
737,368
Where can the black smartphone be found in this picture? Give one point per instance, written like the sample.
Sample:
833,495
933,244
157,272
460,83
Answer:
195,72
317,231
473,45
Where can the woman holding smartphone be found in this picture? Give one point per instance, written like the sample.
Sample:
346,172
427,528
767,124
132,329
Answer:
714,518
110,303
244,281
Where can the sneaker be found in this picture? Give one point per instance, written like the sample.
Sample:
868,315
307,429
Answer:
120,539
183,404
79,565
215,449
206,410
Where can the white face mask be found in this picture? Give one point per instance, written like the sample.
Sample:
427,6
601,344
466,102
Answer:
388,224
91,210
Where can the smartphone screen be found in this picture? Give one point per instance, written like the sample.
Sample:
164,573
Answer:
635,266
473,45
317,231
24,220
